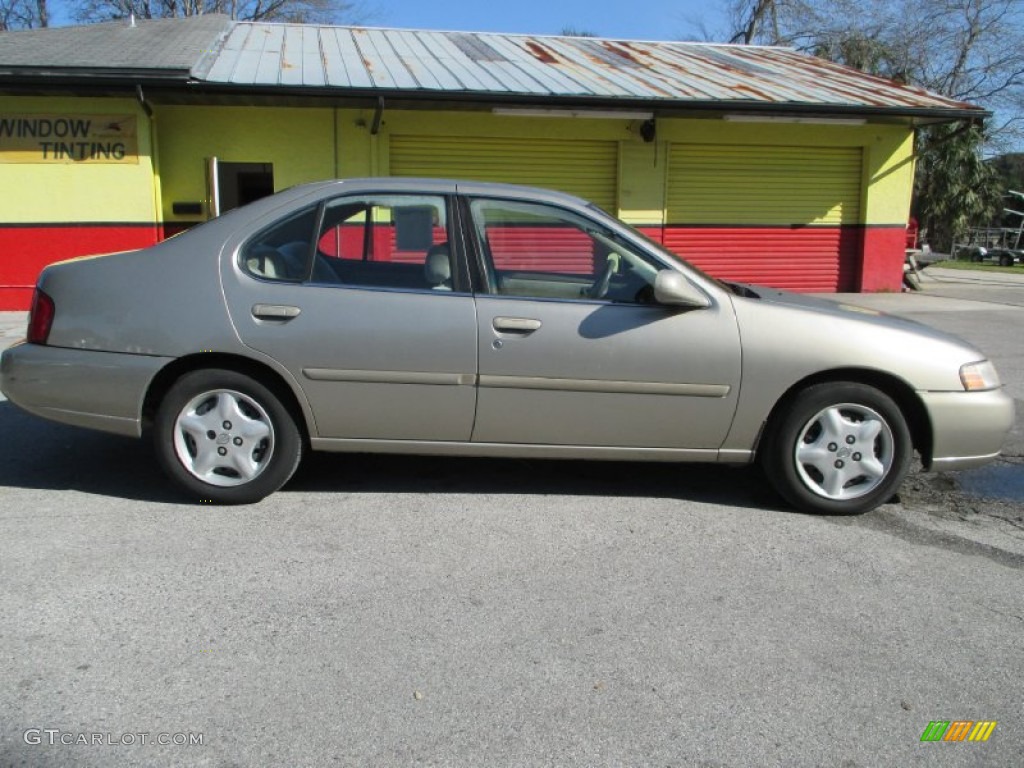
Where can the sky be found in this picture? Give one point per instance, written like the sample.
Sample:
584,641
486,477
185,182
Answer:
647,20
650,20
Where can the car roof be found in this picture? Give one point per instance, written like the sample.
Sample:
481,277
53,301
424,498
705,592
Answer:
437,186
267,209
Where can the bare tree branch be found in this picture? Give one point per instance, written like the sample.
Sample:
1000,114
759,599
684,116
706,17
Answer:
311,11
755,16
23,14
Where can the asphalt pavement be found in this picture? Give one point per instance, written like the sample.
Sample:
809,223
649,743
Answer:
395,611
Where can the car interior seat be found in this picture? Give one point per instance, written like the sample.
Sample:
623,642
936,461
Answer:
296,258
266,261
437,269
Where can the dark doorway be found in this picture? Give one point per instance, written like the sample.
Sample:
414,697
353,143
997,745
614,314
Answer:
242,183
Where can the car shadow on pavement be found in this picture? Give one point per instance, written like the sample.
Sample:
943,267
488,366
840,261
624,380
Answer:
43,455
39,454
378,473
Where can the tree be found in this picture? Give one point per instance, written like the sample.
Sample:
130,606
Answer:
954,187
23,14
753,19
309,11
968,50
1010,169
576,32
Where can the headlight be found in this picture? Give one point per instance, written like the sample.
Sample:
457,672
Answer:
980,375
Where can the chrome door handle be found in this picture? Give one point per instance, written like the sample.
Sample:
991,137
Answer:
275,311
515,324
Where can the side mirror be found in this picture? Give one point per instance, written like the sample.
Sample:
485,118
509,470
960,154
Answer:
675,290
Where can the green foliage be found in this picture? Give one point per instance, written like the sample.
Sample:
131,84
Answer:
972,266
954,186
1010,170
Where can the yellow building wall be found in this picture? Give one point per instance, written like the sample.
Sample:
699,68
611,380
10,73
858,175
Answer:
515,129
887,154
889,175
65,192
298,142
887,150
75,205
308,144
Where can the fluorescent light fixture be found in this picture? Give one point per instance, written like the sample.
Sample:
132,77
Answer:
795,119
598,114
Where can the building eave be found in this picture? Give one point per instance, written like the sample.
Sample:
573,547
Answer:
177,86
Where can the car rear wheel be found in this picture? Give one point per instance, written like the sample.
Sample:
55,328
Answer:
837,448
226,438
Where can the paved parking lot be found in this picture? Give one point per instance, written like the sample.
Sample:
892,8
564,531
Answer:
398,611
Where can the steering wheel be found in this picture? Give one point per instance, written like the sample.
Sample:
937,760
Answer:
600,286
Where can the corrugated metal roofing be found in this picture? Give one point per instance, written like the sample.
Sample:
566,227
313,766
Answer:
486,64
481,67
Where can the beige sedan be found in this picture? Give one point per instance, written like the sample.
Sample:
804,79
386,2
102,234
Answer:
460,318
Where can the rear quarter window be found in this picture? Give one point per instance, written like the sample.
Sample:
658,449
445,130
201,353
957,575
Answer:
283,251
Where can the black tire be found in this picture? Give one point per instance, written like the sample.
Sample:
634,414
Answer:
1005,259
843,469
976,256
238,427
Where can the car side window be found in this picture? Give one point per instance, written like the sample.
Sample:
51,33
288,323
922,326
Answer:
385,241
542,251
282,252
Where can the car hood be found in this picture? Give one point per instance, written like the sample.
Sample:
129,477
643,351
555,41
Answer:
844,310
790,337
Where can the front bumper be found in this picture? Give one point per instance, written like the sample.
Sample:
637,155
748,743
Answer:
968,428
98,390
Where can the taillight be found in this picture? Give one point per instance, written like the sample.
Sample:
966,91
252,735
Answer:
40,317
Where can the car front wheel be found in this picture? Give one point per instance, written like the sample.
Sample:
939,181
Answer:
226,438
837,448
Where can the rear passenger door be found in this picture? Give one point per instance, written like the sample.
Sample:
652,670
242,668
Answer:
362,299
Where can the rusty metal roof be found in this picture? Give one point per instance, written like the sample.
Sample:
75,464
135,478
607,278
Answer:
539,70
212,54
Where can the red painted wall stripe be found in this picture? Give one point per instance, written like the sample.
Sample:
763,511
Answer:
882,259
812,259
26,249
807,259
